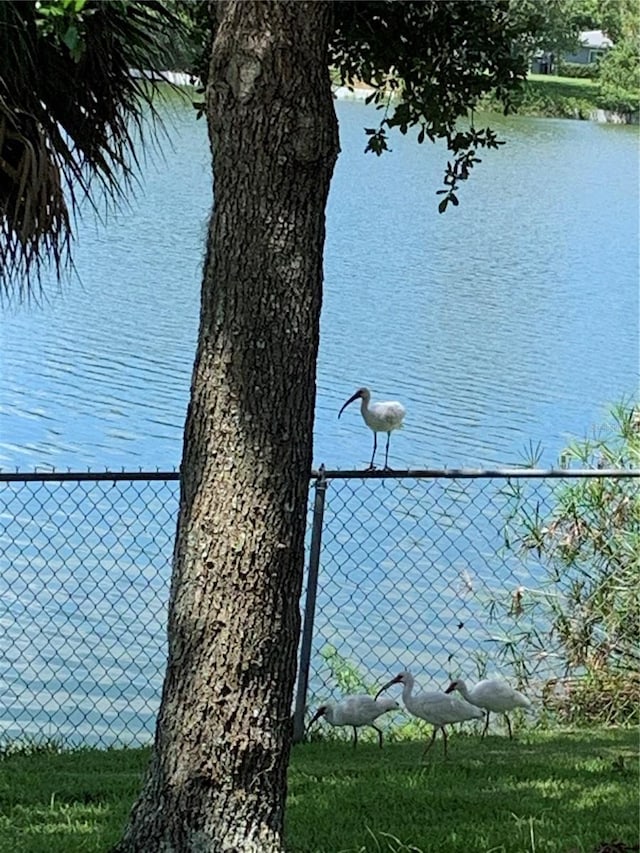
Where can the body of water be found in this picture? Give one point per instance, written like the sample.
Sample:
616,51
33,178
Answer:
510,320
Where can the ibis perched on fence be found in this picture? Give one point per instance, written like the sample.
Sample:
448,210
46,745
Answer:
492,695
356,711
379,417
435,707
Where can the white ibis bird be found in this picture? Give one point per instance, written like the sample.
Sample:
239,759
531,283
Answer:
379,417
435,707
356,711
492,695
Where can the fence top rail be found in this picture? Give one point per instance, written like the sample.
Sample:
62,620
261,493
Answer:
476,473
84,476
323,474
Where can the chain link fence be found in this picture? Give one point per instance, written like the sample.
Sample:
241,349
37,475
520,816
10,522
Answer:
84,577
438,572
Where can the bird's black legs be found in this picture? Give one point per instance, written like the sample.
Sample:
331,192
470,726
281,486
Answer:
444,740
373,455
355,737
386,453
486,725
379,734
430,743
509,727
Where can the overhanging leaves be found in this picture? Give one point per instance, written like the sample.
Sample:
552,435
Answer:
430,63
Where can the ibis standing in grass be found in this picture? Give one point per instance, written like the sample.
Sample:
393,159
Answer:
356,711
492,695
435,707
379,417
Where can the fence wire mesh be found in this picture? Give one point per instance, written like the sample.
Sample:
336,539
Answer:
416,575
84,577
442,575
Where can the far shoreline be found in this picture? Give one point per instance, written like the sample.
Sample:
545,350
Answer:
545,98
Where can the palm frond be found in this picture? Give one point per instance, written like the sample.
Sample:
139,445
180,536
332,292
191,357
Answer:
70,110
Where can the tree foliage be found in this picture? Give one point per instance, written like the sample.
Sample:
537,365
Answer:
619,19
619,77
429,64
555,25
619,72
188,49
552,26
68,108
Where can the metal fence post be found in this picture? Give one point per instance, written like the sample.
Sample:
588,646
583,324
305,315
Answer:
309,607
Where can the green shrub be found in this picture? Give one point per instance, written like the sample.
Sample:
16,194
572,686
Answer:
588,546
30,745
604,698
345,673
553,98
537,102
579,70
620,77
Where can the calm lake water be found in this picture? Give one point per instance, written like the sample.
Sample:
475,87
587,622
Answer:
511,319
508,321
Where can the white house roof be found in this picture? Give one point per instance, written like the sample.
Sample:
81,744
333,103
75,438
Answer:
595,39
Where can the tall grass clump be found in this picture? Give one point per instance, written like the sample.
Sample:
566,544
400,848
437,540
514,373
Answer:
587,609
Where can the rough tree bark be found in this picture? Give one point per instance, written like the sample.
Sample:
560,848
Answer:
217,779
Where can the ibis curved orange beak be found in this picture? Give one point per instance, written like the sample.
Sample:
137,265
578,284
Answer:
353,397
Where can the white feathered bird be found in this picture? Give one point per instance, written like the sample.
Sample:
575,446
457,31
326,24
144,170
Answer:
435,707
492,695
379,417
356,711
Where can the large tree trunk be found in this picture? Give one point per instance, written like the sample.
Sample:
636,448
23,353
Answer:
217,779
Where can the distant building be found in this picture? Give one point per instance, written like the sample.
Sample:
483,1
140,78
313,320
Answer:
593,45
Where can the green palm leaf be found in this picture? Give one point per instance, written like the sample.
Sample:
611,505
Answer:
70,110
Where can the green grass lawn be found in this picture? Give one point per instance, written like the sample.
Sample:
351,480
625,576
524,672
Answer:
555,97
556,792
569,87
562,97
